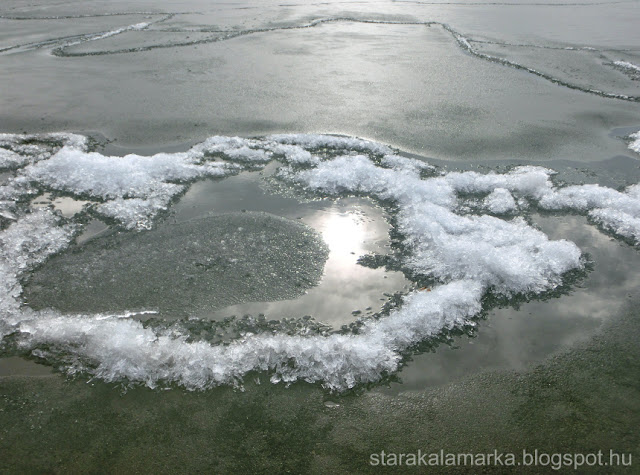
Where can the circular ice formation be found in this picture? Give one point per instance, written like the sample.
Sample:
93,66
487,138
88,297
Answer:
185,269
465,255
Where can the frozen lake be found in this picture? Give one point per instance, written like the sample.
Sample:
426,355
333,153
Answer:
419,220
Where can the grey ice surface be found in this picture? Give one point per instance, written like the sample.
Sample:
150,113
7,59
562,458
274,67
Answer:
391,71
185,269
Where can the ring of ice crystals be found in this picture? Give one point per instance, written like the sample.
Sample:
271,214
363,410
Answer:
463,230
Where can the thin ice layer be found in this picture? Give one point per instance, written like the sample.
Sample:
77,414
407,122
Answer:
187,269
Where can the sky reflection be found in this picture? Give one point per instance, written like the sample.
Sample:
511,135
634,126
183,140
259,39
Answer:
351,227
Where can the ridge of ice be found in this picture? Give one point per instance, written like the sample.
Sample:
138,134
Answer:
316,141
635,142
124,350
107,34
627,65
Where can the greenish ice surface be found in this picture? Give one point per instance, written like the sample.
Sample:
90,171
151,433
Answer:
465,86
